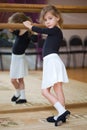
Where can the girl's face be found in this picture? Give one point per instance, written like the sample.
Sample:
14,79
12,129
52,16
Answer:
50,20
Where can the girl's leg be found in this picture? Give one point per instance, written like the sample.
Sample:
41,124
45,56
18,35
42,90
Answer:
22,88
62,113
59,104
49,96
22,98
59,93
53,100
60,96
15,83
17,88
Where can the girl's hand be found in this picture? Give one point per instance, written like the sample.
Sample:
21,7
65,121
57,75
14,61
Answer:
10,30
28,24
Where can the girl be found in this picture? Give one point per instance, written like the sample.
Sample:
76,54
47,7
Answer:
19,66
54,72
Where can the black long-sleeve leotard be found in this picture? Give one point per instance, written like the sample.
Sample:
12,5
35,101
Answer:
21,43
53,40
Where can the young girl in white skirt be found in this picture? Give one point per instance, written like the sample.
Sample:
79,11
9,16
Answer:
19,65
54,72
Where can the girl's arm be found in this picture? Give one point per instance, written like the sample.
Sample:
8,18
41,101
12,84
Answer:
29,25
36,28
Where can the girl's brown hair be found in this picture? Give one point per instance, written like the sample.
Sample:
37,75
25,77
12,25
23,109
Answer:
18,18
54,11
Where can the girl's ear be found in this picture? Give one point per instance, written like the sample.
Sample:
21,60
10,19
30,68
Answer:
58,18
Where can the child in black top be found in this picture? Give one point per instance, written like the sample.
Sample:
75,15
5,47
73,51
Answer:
19,65
54,72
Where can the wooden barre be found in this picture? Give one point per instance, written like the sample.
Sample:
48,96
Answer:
75,26
35,8
15,26
21,26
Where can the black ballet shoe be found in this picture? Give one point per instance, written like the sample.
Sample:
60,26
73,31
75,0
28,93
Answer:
51,119
67,114
21,101
14,98
62,118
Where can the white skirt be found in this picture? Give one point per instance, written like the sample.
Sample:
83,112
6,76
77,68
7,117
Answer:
19,66
53,71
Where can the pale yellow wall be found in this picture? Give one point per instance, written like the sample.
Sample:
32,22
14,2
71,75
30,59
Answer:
68,2
72,18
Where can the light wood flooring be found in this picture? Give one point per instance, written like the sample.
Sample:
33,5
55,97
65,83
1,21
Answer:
32,115
79,74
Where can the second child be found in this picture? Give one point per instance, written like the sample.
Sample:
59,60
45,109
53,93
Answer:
19,65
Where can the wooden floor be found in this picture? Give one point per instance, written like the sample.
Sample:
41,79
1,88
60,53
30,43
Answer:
79,74
32,115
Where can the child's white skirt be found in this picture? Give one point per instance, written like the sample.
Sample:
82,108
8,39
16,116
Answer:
53,71
19,66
